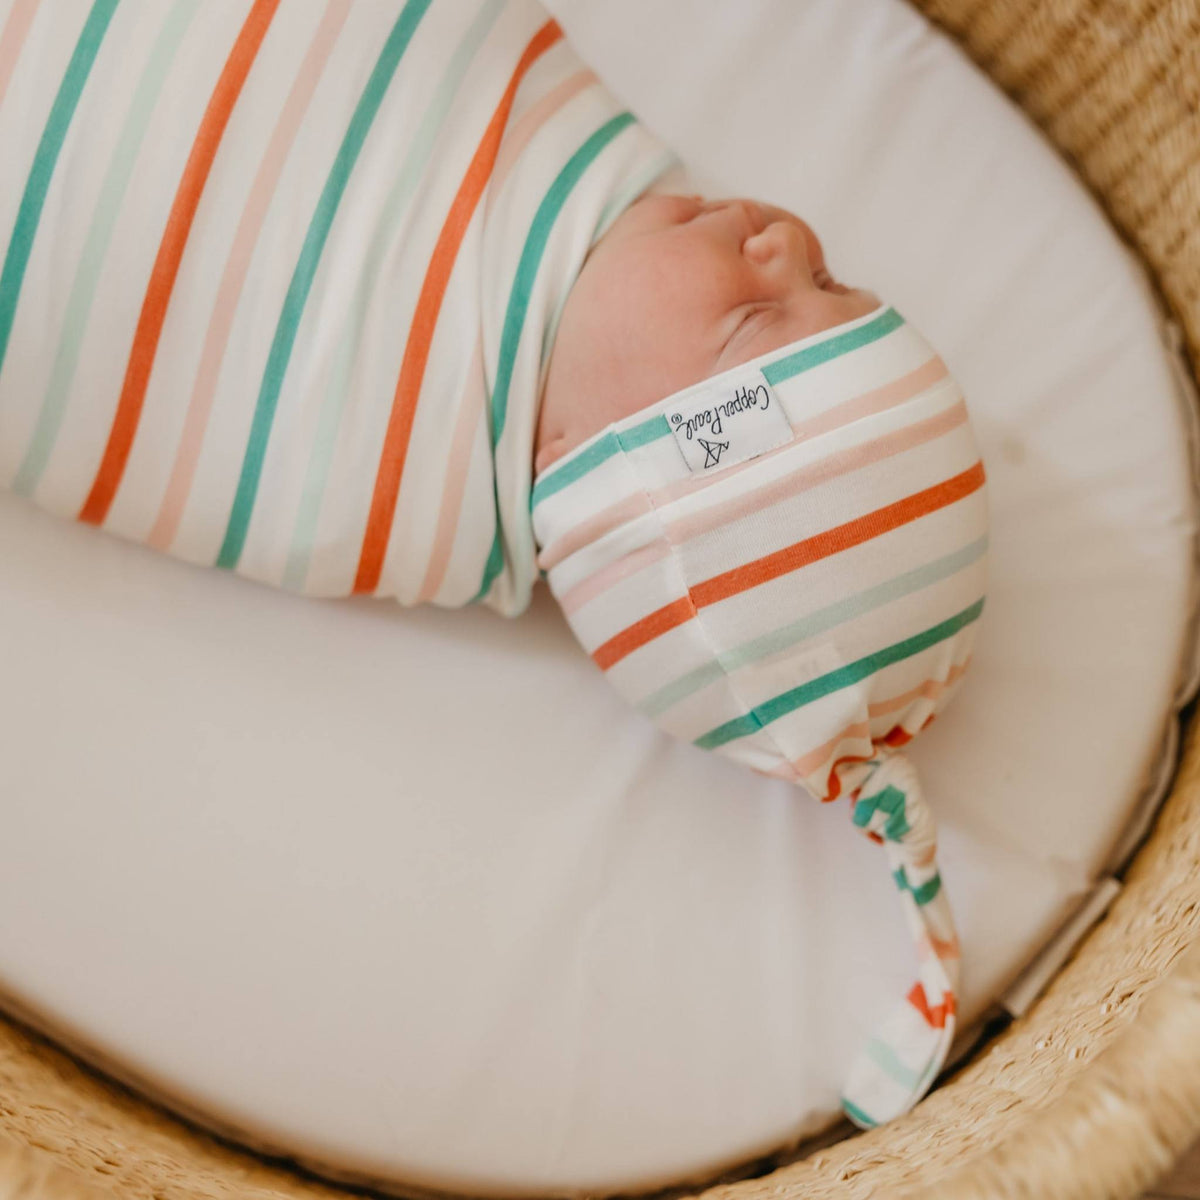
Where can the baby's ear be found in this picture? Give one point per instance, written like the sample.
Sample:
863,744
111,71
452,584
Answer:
549,454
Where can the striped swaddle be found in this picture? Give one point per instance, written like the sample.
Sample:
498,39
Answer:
786,563
279,279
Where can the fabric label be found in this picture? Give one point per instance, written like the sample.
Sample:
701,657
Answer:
728,422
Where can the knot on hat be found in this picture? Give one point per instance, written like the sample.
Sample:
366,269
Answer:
901,1059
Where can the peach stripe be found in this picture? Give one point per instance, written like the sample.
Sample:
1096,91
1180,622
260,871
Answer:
806,764
187,455
170,255
925,858
20,18
879,400
856,532
796,769
594,528
931,689
628,564
850,410
429,304
844,462
790,558
531,121
929,946
454,488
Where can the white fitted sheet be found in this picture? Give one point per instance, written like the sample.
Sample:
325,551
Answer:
248,866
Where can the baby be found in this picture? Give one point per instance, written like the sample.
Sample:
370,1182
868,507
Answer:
392,297
680,289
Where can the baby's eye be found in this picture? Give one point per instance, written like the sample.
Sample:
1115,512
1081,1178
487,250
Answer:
753,320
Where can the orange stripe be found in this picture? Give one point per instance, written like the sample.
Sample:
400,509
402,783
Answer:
420,337
646,630
471,404
530,121
835,780
790,558
824,470
936,1016
237,267
170,254
842,537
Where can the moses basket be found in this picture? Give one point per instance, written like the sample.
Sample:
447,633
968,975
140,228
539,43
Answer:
1096,1090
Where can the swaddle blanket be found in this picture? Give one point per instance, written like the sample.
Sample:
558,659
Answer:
279,280
786,563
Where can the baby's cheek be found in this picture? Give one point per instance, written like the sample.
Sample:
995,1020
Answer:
697,291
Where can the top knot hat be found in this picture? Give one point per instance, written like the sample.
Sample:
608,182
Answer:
786,563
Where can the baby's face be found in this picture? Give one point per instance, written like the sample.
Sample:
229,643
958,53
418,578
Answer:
678,289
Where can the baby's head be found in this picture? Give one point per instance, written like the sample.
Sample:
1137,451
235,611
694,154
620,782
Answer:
679,289
722,419
759,502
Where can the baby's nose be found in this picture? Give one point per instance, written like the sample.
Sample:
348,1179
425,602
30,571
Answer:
783,242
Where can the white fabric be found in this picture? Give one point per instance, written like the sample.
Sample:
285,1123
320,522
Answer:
266,880
344,395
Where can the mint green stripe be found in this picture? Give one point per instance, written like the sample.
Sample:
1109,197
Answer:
531,258
599,451
95,248
858,1114
616,205
884,1057
494,564
394,208
834,347
666,161
923,892
892,801
642,434
776,372
518,300
29,214
820,621
823,685
304,273
304,533
927,1076
650,430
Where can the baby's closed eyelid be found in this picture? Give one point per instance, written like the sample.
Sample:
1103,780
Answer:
753,310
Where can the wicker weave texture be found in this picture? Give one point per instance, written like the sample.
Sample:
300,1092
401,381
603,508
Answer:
1097,1089
1115,84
